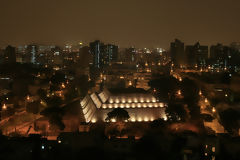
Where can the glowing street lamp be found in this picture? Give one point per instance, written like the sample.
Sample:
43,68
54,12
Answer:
154,90
4,107
93,120
63,85
213,110
179,92
205,100
130,83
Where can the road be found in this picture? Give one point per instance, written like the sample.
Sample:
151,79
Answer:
205,106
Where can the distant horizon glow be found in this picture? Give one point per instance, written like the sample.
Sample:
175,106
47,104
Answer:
150,24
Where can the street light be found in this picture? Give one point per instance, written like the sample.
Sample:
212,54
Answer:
205,100
213,110
179,92
63,85
4,107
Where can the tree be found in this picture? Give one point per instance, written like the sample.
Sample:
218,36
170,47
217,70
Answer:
58,78
121,84
158,123
71,94
176,112
20,84
190,92
82,84
230,119
54,112
33,107
118,114
207,117
165,86
54,101
42,93
54,115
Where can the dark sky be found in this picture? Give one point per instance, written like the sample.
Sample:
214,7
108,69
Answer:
142,23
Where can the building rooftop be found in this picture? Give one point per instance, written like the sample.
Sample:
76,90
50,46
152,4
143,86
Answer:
140,102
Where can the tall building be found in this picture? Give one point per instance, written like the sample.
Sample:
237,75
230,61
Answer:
110,53
220,55
130,54
97,50
103,55
10,54
235,46
235,54
85,58
177,52
31,53
197,54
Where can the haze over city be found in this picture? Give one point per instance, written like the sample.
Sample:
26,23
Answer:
120,79
152,23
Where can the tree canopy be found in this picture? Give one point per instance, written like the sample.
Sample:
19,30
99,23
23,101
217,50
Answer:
176,112
118,114
164,86
190,92
230,119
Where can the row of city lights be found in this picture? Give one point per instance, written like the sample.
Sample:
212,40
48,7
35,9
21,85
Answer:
133,105
135,100
139,119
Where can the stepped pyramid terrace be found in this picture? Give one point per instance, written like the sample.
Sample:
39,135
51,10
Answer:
140,105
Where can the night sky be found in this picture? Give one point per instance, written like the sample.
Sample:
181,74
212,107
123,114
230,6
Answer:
142,23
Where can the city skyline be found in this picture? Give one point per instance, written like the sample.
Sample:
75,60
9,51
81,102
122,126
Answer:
141,24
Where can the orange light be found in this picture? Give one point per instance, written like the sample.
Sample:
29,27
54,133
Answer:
213,109
4,107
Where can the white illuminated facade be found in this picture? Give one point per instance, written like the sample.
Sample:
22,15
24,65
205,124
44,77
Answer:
140,106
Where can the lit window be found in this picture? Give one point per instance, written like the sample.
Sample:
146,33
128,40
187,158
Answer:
135,100
145,119
213,149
